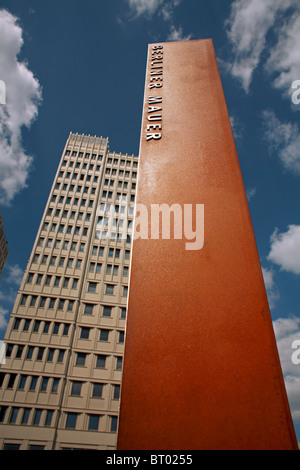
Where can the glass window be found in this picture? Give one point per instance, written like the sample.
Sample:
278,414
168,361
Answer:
80,359
94,422
107,311
109,289
26,414
88,309
33,383
37,417
85,332
97,390
101,361
76,388
116,392
104,335
113,423
71,420
92,287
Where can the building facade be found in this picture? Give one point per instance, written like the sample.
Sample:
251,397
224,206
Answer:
3,246
60,385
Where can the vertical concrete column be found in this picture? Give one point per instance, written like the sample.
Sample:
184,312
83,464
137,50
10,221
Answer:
201,366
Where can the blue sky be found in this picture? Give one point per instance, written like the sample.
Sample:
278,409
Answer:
73,65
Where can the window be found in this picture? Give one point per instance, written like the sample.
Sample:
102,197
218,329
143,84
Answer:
71,420
104,334
88,309
113,423
109,289
101,361
52,303
36,326
80,359
115,271
26,325
78,264
48,421
50,355
76,388
66,330
56,328
16,324
40,354
108,268
10,446
85,332
121,336
3,410
14,415
116,392
11,381
123,312
55,384
107,311
97,390
70,305
46,327
125,291
33,300
23,299
29,352
19,351
119,362
37,417
61,354
92,287
92,267
93,422
26,414
98,268
44,384
22,382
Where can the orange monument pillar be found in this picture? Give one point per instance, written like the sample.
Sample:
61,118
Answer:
201,367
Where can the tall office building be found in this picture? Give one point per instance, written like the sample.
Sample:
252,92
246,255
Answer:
60,385
3,246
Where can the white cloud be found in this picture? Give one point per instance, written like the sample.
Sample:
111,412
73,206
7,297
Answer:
3,318
285,249
177,35
164,8
236,125
247,28
250,193
285,55
287,330
15,274
271,289
23,94
144,7
283,137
